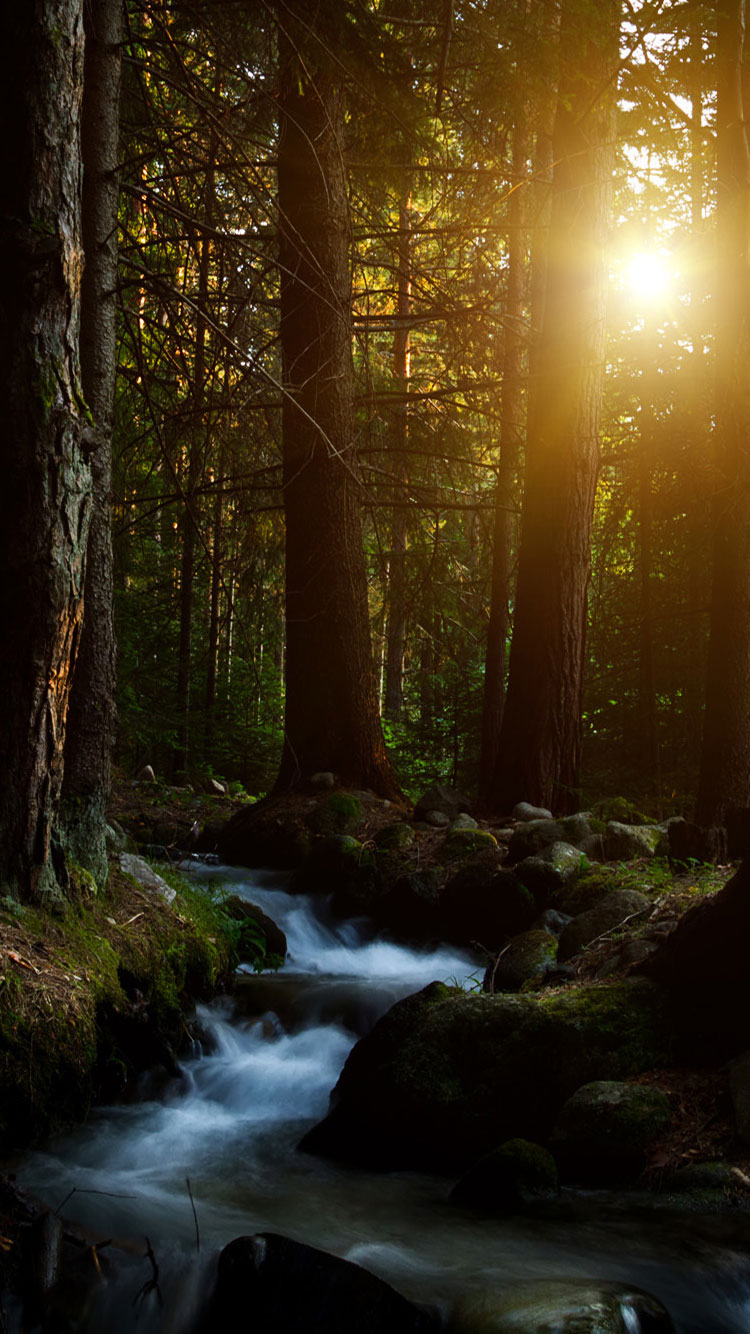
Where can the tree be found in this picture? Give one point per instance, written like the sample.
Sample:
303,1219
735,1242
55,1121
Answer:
724,780
91,721
331,719
45,441
540,740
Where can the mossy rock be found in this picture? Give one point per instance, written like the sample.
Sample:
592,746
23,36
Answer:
464,842
611,912
516,1176
395,837
339,813
444,1075
585,889
524,959
605,1130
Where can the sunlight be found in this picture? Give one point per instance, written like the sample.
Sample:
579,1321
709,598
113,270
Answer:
648,275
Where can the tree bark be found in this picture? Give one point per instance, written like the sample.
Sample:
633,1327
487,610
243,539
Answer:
540,741
331,717
399,523
45,501
724,780
92,716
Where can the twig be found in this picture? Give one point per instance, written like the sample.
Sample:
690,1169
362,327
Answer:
151,1284
195,1215
76,1190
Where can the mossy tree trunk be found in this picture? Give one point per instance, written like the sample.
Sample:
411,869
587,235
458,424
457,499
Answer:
331,720
45,499
92,718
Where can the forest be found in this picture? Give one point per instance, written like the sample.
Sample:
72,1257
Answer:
375,593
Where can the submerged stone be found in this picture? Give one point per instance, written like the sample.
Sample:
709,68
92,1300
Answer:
561,1306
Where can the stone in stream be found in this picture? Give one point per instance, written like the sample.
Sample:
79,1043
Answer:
561,1306
269,1282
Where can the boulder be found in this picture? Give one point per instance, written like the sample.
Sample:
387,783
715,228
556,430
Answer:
551,920
339,813
394,837
410,908
146,774
605,1130
626,843
524,959
433,820
463,842
586,889
516,1176
549,869
561,1306
216,788
448,800
631,953
689,843
444,1075
325,780
146,876
264,834
270,1282
274,940
523,811
532,837
613,910
463,821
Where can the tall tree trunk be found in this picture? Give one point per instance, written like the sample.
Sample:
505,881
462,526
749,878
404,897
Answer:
332,720
92,716
540,740
506,492
397,581
45,499
647,720
724,779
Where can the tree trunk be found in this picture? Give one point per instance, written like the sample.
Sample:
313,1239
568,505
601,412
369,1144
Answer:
724,779
332,720
45,501
92,717
506,493
540,740
397,582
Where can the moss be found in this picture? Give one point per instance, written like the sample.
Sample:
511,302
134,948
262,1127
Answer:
621,810
463,842
338,813
395,836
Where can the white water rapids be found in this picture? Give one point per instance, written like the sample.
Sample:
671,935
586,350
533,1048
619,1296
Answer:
231,1123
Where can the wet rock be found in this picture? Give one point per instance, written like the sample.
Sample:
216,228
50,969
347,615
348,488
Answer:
613,910
561,1306
551,920
410,908
626,843
516,1176
278,1284
448,800
486,905
524,959
444,1076
524,811
605,1130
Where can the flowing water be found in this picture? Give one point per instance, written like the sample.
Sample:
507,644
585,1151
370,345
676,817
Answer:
231,1123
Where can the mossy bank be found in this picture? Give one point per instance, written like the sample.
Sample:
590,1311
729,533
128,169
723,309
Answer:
97,989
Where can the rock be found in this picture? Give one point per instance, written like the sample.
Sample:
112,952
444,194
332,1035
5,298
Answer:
264,834
463,842
339,813
523,811
551,920
444,1076
561,1306
219,789
435,820
578,827
241,911
549,869
524,959
343,866
410,908
116,838
621,810
463,821
625,843
585,890
530,838
604,1131
606,916
689,843
146,876
395,836
632,952
739,1091
273,1283
593,848
484,904
439,798
518,1175
146,775
322,780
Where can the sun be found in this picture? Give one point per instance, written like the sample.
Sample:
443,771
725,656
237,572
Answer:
648,276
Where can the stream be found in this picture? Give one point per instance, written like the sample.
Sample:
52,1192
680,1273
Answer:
230,1125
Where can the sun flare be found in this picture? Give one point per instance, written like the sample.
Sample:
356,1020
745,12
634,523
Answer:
648,275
